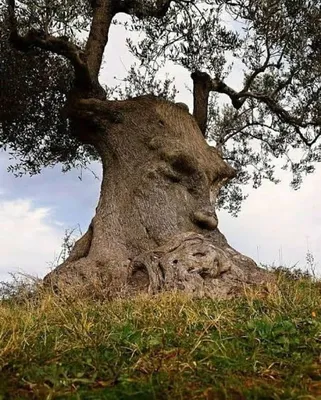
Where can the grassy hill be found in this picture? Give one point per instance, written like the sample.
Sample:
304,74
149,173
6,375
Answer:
265,345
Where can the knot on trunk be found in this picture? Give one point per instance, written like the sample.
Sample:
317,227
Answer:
189,262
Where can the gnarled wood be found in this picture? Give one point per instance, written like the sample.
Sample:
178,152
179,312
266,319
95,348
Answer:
193,263
155,226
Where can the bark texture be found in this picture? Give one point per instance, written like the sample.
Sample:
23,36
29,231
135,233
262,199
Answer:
155,226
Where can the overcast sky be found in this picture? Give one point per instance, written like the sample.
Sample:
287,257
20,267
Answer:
276,224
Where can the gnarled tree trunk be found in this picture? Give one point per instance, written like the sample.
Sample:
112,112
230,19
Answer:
155,226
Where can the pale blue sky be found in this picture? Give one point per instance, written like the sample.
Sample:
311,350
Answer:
276,223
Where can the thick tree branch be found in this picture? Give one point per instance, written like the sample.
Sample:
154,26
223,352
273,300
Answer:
204,84
103,13
89,108
201,91
58,45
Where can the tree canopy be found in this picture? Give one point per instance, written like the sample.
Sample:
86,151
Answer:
273,112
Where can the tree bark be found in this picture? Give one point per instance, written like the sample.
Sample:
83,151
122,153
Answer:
155,226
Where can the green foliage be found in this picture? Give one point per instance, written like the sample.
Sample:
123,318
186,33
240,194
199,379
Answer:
54,17
277,45
265,345
274,44
192,35
139,79
33,129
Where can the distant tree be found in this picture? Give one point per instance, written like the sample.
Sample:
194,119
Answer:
155,225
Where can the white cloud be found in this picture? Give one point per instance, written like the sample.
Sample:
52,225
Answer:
278,224
28,238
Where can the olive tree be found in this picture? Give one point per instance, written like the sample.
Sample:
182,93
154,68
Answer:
164,168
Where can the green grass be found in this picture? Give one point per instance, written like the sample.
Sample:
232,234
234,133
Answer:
265,345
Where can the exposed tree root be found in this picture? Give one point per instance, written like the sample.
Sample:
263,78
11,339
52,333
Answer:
190,262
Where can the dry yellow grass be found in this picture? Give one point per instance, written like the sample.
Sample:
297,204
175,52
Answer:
264,345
